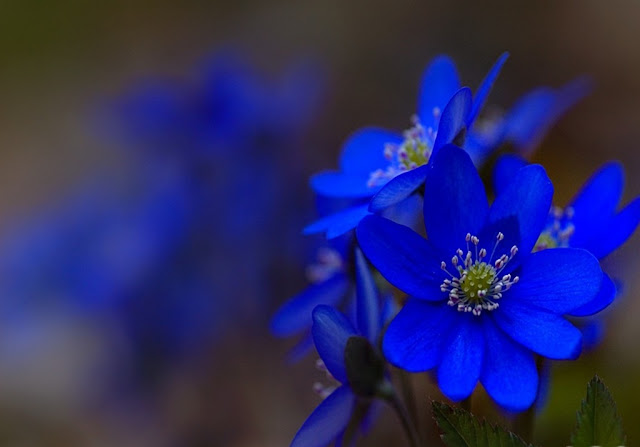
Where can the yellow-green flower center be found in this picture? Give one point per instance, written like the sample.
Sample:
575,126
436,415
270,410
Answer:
476,284
477,281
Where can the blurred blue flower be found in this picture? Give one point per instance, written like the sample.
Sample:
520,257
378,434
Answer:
157,249
330,284
388,167
482,313
331,332
528,121
226,108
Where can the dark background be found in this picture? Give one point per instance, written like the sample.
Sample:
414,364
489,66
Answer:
59,61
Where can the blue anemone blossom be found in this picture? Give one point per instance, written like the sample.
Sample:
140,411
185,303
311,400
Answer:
388,167
331,332
590,221
481,303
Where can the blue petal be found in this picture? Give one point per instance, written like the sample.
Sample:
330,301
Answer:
455,202
485,88
331,329
363,152
327,421
596,203
295,314
368,306
403,257
398,189
526,200
505,171
534,114
545,333
461,362
453,118
605,296
415,339
509,371
439,82
617,230
407,213
340,184
338,224
559,280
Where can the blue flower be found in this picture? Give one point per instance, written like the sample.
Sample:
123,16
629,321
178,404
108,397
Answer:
388,167
590,221
331,333
483,311
329,285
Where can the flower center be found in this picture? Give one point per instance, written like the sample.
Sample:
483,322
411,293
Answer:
414,151
476,284
558,230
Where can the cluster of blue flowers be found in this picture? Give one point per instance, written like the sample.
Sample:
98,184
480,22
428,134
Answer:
147,251
486,289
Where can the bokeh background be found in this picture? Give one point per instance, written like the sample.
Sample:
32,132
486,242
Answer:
154,159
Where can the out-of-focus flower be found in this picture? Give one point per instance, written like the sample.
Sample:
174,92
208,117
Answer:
155,249
330,284
332,332
528,121
388,167
483,312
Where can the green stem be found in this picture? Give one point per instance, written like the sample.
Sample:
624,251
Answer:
389,394
409,396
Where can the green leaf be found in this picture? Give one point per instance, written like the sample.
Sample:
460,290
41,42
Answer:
598,422
461,429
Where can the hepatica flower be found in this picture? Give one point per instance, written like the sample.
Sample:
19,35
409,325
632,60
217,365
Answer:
388,167
348,355
481,303
590,221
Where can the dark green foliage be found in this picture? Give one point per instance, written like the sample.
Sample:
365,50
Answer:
461,429
598,422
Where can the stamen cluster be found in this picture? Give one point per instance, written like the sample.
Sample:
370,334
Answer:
478,285
558,230
414,151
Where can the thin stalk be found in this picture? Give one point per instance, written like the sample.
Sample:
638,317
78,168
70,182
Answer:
389,394
523,424
409,396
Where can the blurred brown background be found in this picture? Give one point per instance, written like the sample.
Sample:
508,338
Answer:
59,59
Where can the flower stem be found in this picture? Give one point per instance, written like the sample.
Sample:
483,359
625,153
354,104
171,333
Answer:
389,394
409,397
